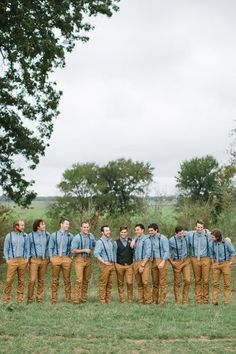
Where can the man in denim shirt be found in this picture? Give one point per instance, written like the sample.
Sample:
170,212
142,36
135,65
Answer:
159,258
39,259
222,254
199,241
142,254
60,257
180,261
16,254
123,264
82,247
104,252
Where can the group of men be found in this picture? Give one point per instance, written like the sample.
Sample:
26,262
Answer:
127,257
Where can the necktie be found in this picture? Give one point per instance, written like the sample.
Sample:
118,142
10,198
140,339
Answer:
61,244
152,250
41,237
182,251
217,253
18,246
199,248
110,250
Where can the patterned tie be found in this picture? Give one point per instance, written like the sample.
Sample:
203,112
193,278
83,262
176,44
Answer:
199,249
18,246
61,244
43,251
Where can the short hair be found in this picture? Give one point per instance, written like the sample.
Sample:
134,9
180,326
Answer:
200,222
123,228
62,220
217,233
36,224
103,227
16,223
84,222
178,229
153,226
141,226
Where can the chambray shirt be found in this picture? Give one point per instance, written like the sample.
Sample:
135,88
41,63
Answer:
159,247
222,251
142,248
179,247
16,245
38,244
115,246
205,240
81,241
104,249
58,239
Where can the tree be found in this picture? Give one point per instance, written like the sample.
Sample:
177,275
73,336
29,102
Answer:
198,178
34,37
124,184
117,187
204,180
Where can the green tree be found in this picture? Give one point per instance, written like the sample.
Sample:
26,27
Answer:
198,178
34,38
117,187
204,180
123,184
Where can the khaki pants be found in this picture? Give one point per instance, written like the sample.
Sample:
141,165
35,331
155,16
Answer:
124,272
15,265
224,269
83,270
37,270
106,280
201,270
159,281
61,263
142,279
182,267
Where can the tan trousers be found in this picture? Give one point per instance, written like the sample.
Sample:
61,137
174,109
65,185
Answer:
37,270
182,267
15,265
159,281
83,270
224,269
61,263
142,279
106,280
201,270
124,272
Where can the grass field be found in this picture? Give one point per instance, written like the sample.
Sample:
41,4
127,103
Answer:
116,328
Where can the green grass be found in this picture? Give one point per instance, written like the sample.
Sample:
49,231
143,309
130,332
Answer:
116,328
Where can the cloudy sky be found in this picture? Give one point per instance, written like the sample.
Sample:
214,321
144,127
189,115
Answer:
156,82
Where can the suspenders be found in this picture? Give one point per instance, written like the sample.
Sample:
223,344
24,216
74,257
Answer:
177,250
142,249
57,244
176,247
81,242
159,239
224,250
105,250
11,245
34,245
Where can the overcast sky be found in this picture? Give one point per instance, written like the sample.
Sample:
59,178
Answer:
156,82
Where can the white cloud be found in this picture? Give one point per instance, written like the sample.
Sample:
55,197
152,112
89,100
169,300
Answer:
156,82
